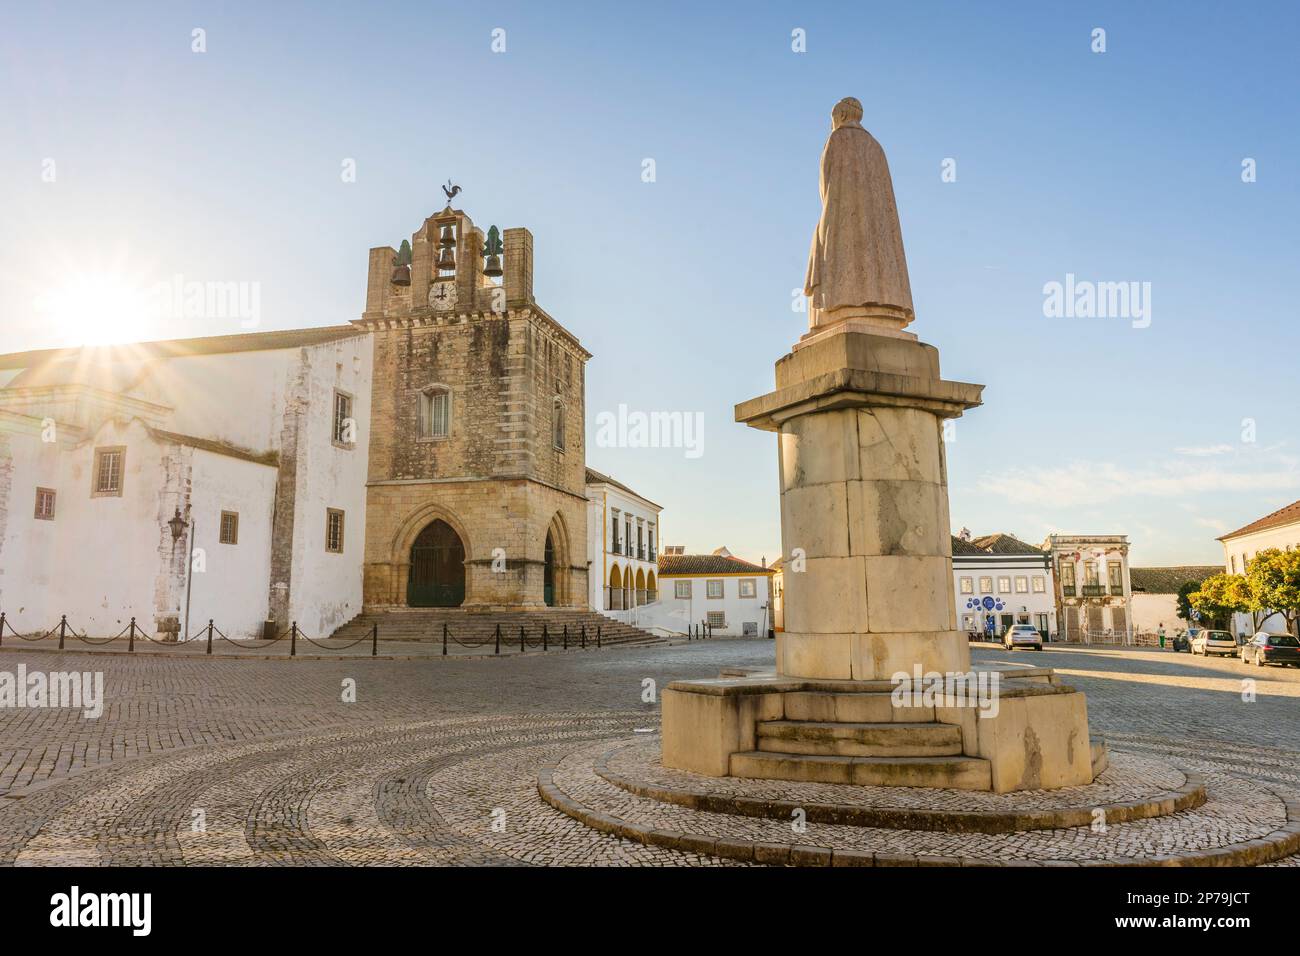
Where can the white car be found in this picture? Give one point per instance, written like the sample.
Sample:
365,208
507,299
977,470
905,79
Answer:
1022,635
1207,642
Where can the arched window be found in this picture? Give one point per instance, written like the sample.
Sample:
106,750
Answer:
435,412
557,423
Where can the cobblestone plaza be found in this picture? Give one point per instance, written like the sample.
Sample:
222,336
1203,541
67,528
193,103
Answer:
437,762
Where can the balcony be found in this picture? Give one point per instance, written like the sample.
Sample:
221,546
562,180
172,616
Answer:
1067,590
1094,590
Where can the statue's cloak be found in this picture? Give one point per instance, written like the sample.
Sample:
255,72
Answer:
857,256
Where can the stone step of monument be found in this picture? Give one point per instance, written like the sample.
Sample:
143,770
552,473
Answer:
852,708
950,773
897,739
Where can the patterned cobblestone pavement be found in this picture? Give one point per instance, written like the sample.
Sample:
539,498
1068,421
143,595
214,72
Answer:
201,762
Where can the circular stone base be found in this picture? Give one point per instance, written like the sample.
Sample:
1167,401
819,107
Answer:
1140,811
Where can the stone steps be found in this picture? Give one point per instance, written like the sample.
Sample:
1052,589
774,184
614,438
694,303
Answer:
479,627
951,772
852,708
895,739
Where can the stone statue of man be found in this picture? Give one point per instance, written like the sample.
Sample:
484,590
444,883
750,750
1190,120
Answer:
856,267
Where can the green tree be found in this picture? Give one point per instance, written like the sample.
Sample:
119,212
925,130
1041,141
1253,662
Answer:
1217,597
1274,577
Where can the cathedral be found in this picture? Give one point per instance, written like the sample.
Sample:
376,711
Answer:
428,454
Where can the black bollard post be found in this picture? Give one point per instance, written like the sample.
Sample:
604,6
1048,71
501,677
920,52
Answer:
521,639
566,636
293,640
444,638
63,628
374,639
598,635
584,637
545,639
498,650
2,627
209,635
130,639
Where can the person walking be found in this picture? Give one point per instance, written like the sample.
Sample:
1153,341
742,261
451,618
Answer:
1161,631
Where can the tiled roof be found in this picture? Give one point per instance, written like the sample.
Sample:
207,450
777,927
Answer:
965,547
1283,516
999,543
1169,580
594,477
176,348
1005,544
706,564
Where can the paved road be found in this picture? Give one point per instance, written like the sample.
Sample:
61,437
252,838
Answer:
278,768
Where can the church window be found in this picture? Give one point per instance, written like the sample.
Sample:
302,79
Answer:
45,504
108,471
344,424
435,412
333,531
229,528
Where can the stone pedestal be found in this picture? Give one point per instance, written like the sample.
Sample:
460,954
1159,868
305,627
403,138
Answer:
869,609
864,506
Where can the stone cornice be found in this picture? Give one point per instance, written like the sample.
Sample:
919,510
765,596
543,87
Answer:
858,388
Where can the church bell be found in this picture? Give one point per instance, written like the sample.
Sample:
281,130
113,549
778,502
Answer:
492,268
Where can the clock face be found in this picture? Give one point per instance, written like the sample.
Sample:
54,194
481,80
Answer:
442,295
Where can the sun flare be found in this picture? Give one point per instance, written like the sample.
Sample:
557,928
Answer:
96,308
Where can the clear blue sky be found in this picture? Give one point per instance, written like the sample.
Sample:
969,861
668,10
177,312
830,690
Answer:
1117,166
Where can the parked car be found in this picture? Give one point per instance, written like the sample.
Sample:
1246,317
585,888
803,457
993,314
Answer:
1182,642
1022,635
1207,642
1267,648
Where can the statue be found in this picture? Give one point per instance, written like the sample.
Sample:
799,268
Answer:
856,267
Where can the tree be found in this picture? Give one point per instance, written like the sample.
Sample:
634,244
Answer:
1184,600
1274,577
1218,597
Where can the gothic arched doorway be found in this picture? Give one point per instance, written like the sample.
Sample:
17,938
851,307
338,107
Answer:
548,574
437,568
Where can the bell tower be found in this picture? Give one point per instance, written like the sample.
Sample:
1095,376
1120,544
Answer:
477,421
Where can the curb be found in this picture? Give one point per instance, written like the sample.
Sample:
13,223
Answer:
1274,846
1187,797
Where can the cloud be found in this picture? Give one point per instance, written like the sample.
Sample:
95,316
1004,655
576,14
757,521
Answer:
1205,451
1214,524
1093,483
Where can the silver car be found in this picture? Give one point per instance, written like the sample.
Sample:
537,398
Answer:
1214,642
1022,635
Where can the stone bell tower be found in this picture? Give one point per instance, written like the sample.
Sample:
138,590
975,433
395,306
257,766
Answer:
476,494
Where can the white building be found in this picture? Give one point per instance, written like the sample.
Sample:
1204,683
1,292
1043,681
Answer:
253,438
1155,596
730,595
998,581
1280,530
1093,596
622,546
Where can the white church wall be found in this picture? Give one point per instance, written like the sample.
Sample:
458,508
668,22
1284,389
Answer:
101,559
232,587
326,587
236,398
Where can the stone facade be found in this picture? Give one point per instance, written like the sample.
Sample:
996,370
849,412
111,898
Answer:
503,477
